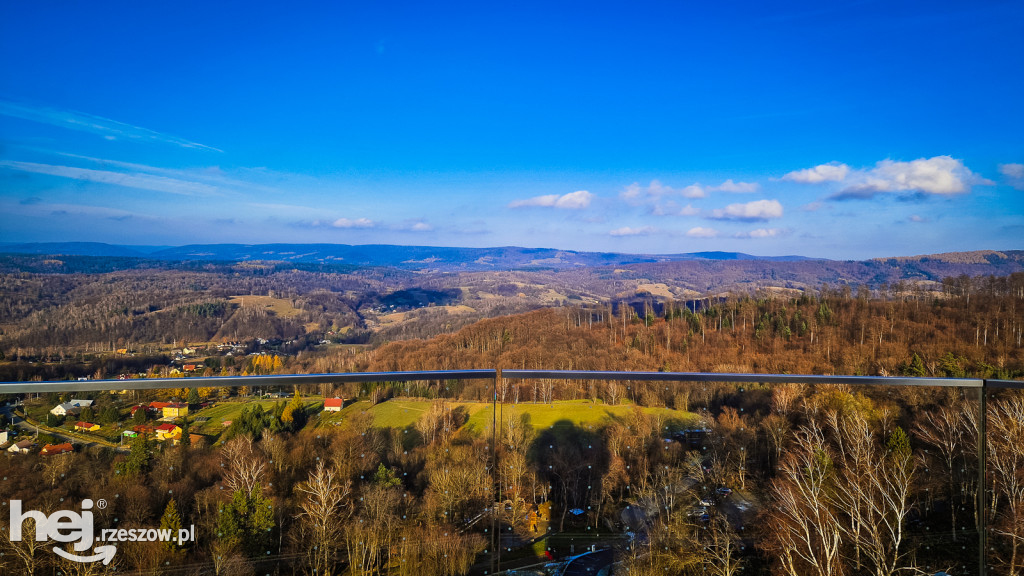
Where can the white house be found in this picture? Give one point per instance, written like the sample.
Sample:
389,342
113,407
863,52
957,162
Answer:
70,407
4,436
20,447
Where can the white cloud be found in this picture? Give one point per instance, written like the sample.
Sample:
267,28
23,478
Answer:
628,231
693,191
937,176
151,182
737,187
654,192
689,210
577,200
1013,174
831,172
350,223
756,210
700,232
572,201
762,233
917,219
421,227
105,127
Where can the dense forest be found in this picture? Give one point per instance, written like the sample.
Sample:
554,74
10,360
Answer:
974,328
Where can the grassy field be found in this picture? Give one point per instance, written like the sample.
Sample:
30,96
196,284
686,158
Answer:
401,413
230,410
279,306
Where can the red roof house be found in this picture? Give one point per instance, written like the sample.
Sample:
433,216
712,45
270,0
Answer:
51,449
334,404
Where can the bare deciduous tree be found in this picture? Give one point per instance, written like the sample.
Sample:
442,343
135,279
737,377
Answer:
244,467
324,511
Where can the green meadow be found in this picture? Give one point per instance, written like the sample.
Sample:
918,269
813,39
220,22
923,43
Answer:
402,413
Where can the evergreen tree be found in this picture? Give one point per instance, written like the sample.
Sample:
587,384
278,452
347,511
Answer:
171,520
138,459
247,521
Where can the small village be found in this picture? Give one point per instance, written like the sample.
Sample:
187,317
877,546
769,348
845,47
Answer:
37,427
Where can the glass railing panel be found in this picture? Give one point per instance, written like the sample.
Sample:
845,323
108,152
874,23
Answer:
1004,468
698,472
529,473
371,475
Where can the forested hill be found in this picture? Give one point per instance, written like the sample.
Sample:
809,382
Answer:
832,333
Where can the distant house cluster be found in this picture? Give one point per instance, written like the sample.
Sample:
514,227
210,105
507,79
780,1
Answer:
165,431
72,407
25,446
163,409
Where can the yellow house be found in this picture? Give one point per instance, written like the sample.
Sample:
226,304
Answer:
175,410
168,432
86,426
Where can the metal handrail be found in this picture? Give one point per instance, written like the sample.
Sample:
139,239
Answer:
261,381
745,378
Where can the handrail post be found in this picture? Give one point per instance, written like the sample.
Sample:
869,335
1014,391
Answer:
495,479
982,500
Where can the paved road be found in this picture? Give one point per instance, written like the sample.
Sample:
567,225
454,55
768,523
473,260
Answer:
8,412
589,564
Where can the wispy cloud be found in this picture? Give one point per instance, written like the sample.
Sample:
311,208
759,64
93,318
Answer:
353,223
629,231
572,201
737,187
1013,174
141,181
85,210
656,193
415,225
762,233
636,194
84,122
750,211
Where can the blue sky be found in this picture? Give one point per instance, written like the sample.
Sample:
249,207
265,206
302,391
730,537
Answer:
854,130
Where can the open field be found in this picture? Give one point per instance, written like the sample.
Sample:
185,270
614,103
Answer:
279,306
393,318
229,410
401,413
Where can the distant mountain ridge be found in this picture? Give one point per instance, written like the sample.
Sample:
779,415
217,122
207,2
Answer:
406,257
699,271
